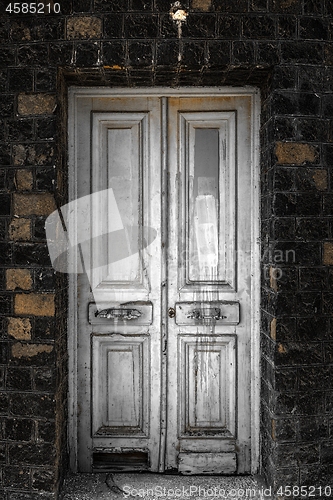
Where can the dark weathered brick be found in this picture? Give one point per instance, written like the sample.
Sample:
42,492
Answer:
310,78
199,26
19,429
45,430
141,5
5,303
32,405
286,27
19,379
140,26
31,454
44,328
167,53
283,7
237,6
44,379
229,27
16,477
327,453
313,28
52,28
31,254
284,429
193,54
45,280
268,53
314,475
302,52
33,55
114,6
44,479
259,27
140,53
20,81
312,229
20,130
22,30
82,5
308,204
45,128
87,54
312,429
113,54
45,80
5,205
219,53
60,53
313,278
7,57
113,26
243,52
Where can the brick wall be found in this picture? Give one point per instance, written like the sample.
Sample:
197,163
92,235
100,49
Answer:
282,46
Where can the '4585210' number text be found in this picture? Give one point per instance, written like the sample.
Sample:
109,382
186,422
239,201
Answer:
33,8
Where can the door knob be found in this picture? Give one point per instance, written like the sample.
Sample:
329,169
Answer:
172,312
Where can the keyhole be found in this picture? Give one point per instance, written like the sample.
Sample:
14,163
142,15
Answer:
172,312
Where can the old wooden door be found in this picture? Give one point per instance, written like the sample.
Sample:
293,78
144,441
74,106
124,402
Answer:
165,311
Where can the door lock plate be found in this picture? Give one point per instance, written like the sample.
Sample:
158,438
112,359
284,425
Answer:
136,313
219,313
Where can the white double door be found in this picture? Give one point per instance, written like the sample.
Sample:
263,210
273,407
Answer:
165,308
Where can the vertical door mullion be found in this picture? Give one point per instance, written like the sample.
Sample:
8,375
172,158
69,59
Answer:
164,277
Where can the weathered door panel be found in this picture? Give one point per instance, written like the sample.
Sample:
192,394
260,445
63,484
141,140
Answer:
119,341
158,391
209,272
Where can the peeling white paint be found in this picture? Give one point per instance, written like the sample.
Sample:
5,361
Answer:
179,15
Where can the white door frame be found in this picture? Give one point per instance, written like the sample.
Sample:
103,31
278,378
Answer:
74,94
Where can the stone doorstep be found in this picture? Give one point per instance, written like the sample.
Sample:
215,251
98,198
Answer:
117,486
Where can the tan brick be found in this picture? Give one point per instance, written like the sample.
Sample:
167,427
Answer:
18,278
20,229
24,180
25,154
36,104
19,328
20,31
273,275
33,204
282,349
320,179
273,329
19,154
30,350
328,253
35,304
84,27
203,5
288,153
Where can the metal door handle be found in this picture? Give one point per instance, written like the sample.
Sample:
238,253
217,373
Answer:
122,314
206,313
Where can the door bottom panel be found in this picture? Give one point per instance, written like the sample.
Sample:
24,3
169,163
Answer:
207,463
129,461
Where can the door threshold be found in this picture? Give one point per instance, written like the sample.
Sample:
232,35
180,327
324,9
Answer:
169,486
